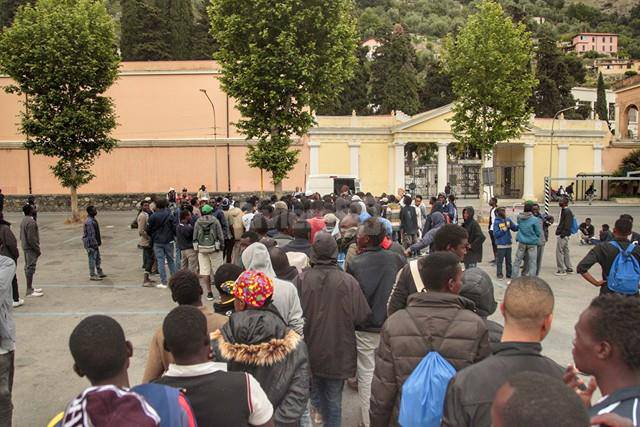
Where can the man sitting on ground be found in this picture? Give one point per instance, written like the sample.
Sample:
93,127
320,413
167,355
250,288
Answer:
587,232
528,312
185,290
218,398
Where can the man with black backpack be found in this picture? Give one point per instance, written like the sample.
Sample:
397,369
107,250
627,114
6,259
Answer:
208,240
619,259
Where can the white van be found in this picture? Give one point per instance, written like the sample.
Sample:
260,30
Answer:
331,184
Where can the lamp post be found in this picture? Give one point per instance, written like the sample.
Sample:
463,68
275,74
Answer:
215,136
547,189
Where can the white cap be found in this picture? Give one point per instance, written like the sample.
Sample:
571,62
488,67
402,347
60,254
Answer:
172,189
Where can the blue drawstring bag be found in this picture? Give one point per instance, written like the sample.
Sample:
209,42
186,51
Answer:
423,392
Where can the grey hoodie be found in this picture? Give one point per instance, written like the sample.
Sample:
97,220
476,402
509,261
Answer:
437,221
217,231
7,326
285,295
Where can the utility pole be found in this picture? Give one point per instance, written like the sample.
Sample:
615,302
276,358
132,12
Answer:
215,137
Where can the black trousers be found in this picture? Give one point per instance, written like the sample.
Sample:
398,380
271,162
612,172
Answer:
147,259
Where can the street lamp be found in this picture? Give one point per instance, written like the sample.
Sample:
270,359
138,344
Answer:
548,181
215,136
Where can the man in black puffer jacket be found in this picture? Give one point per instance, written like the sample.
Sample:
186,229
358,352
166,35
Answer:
256,340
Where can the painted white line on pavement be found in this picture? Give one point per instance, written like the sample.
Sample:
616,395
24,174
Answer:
90,313
72,239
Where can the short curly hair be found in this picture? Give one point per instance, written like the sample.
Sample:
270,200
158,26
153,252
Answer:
449,235
616,319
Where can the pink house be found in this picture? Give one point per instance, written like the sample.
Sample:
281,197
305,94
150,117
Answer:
605,43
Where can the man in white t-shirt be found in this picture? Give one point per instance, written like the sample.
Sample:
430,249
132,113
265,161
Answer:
217,397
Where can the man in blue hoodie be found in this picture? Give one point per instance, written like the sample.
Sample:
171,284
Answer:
502,228
528,238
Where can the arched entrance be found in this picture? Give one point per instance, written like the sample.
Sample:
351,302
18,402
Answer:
629,122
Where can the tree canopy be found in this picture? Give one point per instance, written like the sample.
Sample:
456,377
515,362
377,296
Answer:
62,55
489,63
394,84
280,61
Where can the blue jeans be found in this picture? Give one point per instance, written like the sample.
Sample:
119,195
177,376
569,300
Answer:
164,252
326,395
95,267
531,259
178,259
503,255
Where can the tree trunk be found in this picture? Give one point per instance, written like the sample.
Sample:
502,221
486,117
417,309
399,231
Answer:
75,214
278,188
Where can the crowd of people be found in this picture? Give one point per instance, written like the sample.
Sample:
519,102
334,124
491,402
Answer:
281,302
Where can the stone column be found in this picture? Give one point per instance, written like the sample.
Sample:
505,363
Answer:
399,165
597,158
442,165
527,190
391,169
354,159
618,122
314,157
592,114
562,163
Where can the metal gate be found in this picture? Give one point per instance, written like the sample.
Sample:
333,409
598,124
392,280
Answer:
463,177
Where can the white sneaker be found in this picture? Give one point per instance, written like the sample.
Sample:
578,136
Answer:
18,303
36,293
161,286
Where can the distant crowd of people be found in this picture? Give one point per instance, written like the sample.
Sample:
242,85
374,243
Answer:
281,302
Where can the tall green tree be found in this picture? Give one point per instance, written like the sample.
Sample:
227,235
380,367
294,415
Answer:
394,82
489,65
354,93
202,42
602,106
178,16
8,10
436,90
62,55
554,89
143,36
281,60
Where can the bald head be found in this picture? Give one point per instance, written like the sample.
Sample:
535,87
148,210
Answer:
528,302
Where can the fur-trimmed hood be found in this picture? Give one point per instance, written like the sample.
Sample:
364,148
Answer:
255,337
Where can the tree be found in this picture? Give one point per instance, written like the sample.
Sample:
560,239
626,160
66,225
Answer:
280,60
178,16
62,55
394,83
602,106
202,42
8,10
554,90
436,88
143,36
354,94
489,65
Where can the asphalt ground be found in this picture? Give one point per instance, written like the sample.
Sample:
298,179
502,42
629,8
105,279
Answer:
44,379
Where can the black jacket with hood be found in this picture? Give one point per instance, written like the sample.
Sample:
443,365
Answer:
476,237
333,306
477,286
259,342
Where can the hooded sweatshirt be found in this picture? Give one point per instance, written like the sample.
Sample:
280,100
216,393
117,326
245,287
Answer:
476,237
478,287
216,230
437,221
285,296
529,229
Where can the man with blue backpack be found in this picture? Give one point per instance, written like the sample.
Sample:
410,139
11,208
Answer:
423,345
619,259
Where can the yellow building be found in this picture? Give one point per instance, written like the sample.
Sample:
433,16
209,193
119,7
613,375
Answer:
388,152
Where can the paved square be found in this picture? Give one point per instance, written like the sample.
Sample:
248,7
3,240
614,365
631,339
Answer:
44,379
